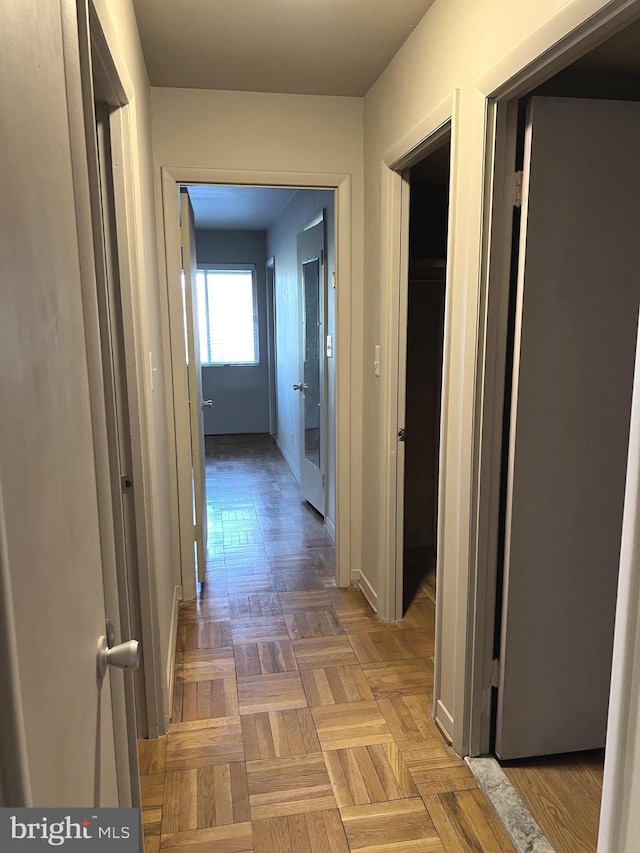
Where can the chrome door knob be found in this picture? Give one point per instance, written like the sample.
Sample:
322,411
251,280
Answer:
301,387
123,656
207,404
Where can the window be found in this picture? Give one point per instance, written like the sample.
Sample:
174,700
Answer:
228,315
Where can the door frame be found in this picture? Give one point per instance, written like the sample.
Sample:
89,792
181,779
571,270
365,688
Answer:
441,123
171,178
272,353
567,35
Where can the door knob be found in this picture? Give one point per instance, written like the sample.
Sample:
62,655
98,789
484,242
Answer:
207,404
123,656
301,387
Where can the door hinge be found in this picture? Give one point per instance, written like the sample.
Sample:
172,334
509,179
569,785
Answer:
514,183
323,481
126,483
402,434
495,673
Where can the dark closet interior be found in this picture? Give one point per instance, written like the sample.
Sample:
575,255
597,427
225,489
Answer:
428,217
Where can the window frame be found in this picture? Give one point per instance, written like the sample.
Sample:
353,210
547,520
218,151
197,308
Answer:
246,267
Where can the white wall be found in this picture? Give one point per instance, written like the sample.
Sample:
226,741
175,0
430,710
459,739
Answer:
303,209
118,21
248,131
240,394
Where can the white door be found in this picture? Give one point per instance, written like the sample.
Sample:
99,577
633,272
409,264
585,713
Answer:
311,273
194,373
50,534
577,306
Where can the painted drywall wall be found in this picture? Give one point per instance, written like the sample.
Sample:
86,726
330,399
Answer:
456,43
286,133
302,211
240,393
118,21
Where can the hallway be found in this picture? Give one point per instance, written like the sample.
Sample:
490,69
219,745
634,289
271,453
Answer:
300,722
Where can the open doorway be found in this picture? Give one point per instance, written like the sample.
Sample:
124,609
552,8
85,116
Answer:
263,363
428,218
572,324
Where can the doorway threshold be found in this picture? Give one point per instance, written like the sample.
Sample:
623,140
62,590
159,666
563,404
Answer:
515,816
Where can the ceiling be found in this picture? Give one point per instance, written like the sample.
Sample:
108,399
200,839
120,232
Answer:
315,47
242,208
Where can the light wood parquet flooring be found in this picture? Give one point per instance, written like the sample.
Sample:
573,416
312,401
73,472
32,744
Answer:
300,723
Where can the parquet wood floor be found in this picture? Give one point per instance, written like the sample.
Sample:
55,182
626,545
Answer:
300,723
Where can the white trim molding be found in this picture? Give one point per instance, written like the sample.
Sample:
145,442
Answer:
347,502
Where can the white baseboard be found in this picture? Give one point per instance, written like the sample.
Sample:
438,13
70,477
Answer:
444,721
287,458
360,580
330,528
173,640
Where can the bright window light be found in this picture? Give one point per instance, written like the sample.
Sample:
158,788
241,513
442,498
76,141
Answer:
228,317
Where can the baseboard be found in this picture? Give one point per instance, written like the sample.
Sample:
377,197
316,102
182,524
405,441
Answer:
173,642
330,528
359,578
294,468
444,721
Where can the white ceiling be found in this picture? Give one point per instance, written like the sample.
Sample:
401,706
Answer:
322,47
242,208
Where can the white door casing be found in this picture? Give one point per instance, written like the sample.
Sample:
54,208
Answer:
573,365
311,275
194,375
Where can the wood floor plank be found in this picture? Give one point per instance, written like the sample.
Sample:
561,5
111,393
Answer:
400,826
152,755
213,635
398,678
203,700
563,794
279,734
265,658
152,844
369,774
421,640
180,803
252,605
231,838
409,718
151,822
204,742
451,841
152,790
315,832
260,629
275,692
308,599
297,581
326,651
374,646
312,623
285,786
206,664
475,823
436,768
335,685
350,725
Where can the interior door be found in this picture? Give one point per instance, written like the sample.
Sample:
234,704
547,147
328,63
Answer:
311,270
51,555
194,373
576,316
